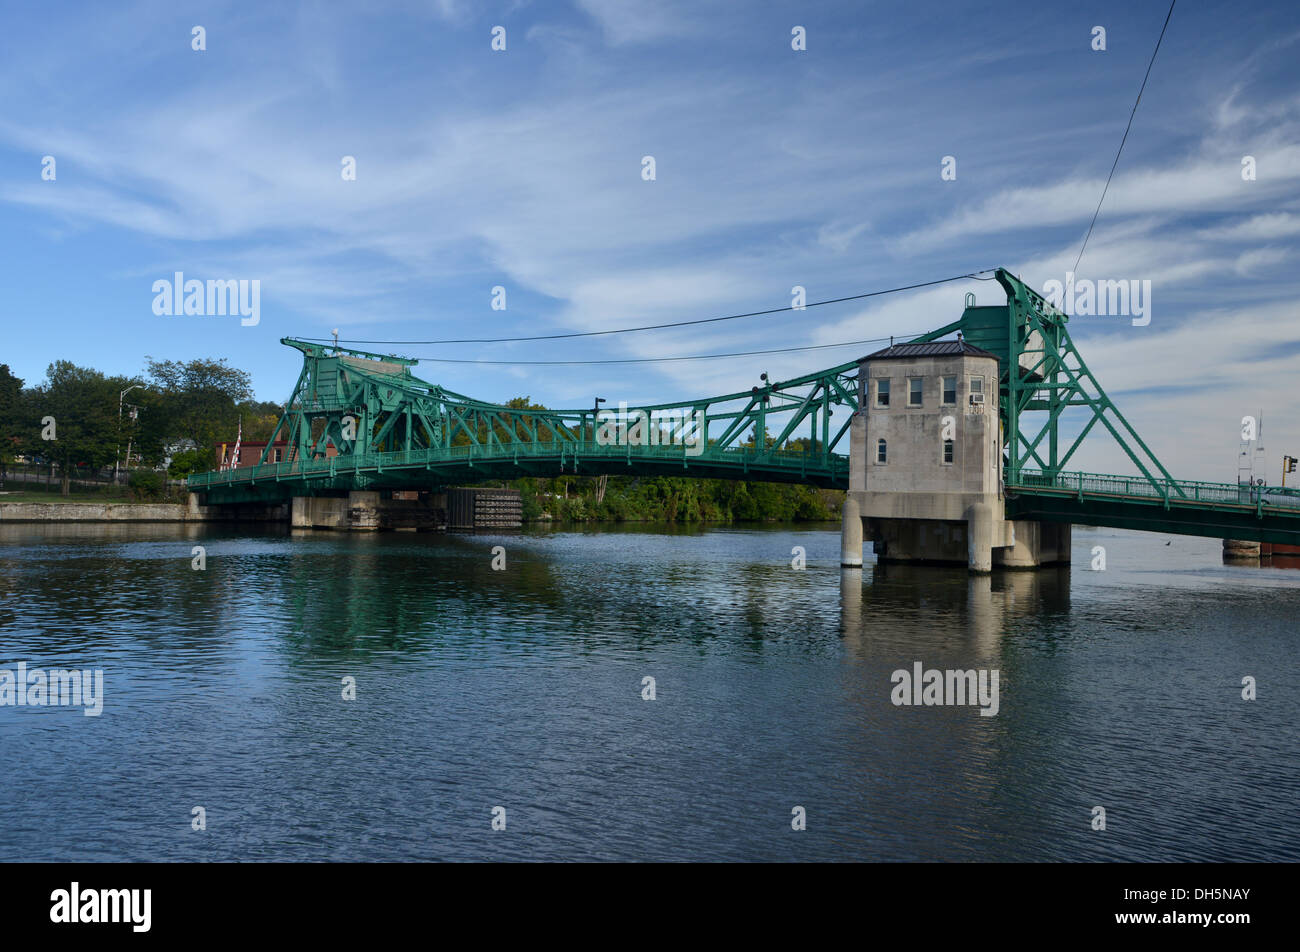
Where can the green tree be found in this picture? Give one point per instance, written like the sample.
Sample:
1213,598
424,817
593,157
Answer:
14,426
260,418
187,462
199,400
76,409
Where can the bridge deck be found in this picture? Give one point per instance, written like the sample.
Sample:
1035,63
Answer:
1217,510
426,468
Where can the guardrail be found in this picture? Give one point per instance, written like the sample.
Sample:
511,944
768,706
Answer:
1181,490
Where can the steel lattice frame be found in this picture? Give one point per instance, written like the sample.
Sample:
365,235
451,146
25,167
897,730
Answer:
1042,370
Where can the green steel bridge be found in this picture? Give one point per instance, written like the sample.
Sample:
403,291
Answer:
364,421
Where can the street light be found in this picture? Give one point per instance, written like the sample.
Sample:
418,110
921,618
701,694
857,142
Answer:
118,456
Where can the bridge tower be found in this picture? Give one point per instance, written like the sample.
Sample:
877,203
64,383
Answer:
925,479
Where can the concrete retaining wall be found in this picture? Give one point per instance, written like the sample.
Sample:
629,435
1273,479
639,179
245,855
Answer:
96,512
137,512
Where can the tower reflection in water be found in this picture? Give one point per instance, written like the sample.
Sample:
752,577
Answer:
921,767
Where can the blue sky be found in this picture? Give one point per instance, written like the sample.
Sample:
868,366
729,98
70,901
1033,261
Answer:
774,168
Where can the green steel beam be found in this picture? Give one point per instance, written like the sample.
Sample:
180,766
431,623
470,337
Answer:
419,424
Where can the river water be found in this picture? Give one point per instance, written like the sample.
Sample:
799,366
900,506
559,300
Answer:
522,688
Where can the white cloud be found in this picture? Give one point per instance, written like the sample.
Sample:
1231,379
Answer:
631,21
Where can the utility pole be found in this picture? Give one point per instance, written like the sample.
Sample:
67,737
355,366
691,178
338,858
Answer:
135,413
118,455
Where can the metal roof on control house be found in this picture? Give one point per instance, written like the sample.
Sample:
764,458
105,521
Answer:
938,348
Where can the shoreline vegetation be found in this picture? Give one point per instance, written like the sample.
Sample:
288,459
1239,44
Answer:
671,499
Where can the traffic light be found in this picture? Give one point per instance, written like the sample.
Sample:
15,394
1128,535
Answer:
1288,464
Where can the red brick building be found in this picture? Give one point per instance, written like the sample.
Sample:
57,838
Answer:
250,453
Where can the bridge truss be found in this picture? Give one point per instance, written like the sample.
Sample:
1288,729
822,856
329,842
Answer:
362,420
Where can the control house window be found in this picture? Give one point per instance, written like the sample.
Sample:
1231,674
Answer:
947,451
882,393
882,451
976,384
914,391
949,391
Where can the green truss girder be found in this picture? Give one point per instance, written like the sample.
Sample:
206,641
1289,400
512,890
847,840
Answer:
391,409
1041,369
408,433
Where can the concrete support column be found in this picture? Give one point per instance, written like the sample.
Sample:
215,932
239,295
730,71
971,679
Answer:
979,537
318,512
851,533
1036,543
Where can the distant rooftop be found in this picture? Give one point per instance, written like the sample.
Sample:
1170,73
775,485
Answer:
937,348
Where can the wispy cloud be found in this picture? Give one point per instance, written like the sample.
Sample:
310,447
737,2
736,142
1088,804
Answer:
774,169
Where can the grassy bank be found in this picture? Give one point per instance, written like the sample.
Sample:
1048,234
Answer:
114,496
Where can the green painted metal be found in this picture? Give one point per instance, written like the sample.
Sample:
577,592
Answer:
363,420
1217,510
388,429
1043,371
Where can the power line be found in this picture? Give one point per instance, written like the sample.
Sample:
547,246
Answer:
655,327
655,360
1125,139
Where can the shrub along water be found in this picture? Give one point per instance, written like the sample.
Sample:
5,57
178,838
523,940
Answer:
674,499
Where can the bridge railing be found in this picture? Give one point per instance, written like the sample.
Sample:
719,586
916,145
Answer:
1170,490
794,461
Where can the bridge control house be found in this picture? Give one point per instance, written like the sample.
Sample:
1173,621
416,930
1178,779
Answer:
925,481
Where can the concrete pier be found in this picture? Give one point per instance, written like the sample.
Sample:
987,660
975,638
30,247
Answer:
851,533
1035,544
319,512
370,511
359,511
979,537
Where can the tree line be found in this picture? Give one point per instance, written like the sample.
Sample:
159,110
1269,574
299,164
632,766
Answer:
175,410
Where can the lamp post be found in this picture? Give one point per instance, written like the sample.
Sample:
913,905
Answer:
595,413
118,455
